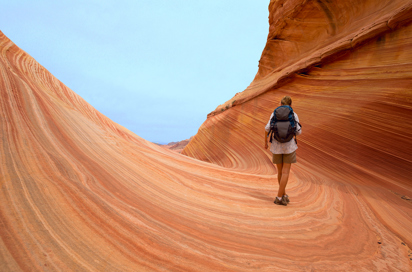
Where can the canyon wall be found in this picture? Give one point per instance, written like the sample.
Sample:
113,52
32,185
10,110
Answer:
301,45
348,67
79,192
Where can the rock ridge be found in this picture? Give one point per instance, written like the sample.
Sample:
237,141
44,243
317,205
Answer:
274,77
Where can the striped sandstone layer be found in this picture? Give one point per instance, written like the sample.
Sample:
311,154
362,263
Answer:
78,192
348,67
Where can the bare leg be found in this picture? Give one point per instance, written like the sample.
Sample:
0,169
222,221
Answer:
279,167
284,179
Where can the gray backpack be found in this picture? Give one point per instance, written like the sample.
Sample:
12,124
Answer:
283,125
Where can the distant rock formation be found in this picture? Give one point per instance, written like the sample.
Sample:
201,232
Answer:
177,146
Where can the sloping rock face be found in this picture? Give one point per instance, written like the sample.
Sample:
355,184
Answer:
78,192
335,42
348,67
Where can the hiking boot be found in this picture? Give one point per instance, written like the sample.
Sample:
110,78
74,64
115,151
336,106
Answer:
280,202
286,197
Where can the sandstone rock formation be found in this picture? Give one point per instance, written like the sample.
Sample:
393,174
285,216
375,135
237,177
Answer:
348,67
177,146
79,192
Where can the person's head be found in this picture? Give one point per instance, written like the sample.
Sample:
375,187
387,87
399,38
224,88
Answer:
286,101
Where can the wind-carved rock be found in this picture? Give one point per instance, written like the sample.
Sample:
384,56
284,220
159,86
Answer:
348,67
79,192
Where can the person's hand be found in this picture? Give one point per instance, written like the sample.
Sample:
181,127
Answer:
266,145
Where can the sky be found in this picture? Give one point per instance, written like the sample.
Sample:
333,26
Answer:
155,67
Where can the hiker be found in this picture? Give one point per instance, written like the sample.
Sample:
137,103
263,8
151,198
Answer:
283,149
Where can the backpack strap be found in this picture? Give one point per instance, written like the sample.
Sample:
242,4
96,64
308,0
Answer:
297,123
274,115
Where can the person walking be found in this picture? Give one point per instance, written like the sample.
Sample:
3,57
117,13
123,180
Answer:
283,149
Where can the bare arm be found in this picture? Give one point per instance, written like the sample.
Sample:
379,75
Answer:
267,128
298,127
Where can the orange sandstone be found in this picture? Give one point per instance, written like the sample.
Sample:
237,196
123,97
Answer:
348,67
79,192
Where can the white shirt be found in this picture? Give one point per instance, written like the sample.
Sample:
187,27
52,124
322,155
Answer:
284,148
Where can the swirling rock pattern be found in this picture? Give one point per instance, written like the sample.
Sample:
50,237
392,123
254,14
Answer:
79,192
349,72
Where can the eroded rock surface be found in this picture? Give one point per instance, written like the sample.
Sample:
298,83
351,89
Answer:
348,67
78,192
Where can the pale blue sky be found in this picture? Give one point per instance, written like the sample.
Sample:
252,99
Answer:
155,67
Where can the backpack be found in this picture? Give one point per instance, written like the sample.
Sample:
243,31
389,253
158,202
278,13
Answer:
283,124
